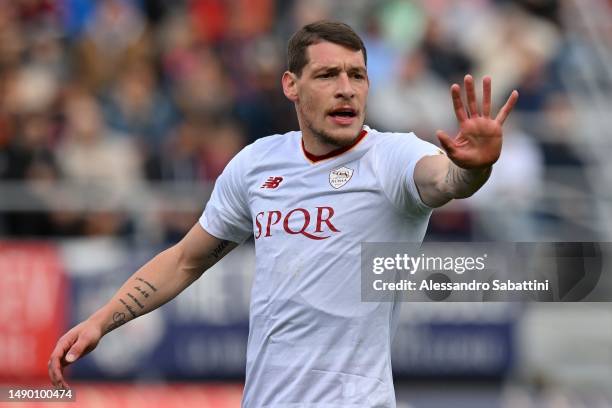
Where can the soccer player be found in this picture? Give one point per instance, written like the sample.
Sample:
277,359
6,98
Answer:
309,198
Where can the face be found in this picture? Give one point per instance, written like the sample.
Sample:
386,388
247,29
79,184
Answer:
330,95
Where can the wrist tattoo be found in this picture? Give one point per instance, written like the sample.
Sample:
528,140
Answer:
118,320
465,181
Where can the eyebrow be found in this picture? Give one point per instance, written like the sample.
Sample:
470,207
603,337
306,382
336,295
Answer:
335,68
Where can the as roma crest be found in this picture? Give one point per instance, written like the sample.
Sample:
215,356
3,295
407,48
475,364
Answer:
340,176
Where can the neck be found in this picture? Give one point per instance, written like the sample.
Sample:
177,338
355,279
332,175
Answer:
324,150
315,146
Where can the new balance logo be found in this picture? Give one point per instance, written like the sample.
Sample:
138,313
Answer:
272,182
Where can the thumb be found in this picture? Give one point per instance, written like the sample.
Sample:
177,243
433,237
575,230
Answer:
75,351
445,141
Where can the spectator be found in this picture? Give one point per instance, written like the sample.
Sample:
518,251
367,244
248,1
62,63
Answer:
93,156
416,100
137,106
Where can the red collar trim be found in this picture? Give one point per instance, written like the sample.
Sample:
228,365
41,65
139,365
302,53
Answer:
314,158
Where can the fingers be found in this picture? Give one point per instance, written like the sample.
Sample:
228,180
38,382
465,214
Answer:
56,368
446,142
458,104
470,91
57,377
507,108
486,96
57,362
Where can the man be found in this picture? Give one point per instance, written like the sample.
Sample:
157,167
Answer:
309,198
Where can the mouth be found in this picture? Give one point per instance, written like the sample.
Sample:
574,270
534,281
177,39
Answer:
344,115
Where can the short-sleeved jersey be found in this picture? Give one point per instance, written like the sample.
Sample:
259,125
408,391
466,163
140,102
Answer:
312,342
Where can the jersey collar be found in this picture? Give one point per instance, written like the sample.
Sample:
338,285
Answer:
315,158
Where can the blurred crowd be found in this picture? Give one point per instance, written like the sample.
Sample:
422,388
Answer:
129,93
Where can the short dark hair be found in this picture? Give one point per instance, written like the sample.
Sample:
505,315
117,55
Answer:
332,31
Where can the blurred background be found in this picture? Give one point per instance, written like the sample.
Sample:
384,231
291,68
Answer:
116,117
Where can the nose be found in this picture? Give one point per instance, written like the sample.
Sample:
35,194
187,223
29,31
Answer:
344,87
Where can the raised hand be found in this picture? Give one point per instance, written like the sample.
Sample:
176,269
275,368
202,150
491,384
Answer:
479,141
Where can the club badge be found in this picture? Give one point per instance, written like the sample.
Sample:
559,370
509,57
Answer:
340,176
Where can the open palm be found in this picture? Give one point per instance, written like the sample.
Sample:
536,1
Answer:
479,141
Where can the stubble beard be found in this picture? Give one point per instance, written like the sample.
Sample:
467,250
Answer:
325,138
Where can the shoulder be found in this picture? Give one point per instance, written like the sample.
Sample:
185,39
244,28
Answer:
393,140
275,143
265,147
401,148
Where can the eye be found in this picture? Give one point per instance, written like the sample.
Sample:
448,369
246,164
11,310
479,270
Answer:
325,75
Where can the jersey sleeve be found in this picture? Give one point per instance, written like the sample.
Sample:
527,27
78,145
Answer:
396,158
227,214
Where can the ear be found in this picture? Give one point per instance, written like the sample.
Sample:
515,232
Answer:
290,86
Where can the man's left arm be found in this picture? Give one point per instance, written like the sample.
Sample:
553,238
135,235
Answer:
470,155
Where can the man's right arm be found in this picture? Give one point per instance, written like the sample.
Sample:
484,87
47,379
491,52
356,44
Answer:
157,282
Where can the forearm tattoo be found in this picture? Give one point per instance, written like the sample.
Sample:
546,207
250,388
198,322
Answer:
147,283
463,182
135,304
118,320
453,175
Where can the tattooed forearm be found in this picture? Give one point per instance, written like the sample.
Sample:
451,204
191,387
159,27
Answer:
142,291
140,305
118,320
218,251
129,308
147,283
452,176
463,183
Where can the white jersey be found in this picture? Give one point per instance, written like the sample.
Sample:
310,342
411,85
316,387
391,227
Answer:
312,341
